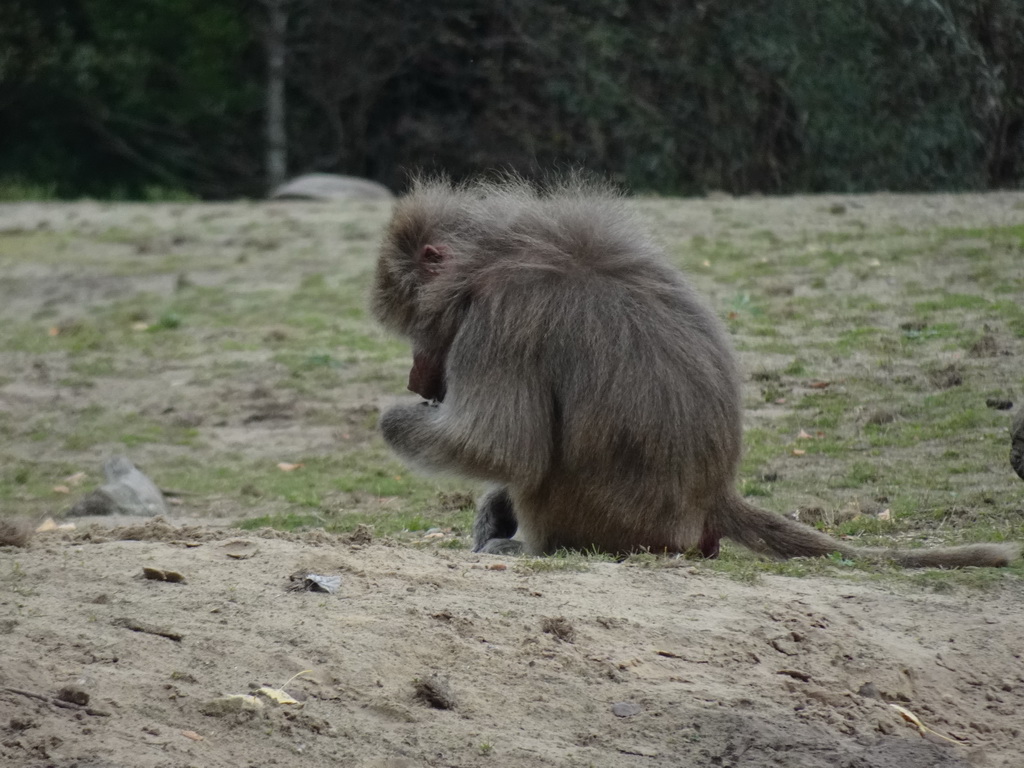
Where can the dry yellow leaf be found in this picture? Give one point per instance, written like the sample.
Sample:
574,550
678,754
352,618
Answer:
284,466
910,717
275,695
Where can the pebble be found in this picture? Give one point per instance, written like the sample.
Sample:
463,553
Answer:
226,705
626,709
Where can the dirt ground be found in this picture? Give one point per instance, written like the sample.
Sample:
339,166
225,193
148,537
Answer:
787,672
430,656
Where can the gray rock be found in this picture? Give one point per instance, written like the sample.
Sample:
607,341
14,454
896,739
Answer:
626,709
330,186
227,705
126,492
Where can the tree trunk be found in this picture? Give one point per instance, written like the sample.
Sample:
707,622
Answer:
277,139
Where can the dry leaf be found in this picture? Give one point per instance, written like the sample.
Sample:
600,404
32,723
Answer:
55,331
798,452
192,735
140,326
820,384
284,466
61,489
910,717
76,478
885,514
497,567
706,263
49,525
804,436
276,695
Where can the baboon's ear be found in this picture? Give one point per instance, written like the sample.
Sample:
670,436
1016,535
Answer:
431,258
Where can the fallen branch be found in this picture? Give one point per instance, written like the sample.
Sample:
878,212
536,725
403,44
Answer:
149,629
56,702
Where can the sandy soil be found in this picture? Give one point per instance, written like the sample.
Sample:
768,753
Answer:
427,656
720,673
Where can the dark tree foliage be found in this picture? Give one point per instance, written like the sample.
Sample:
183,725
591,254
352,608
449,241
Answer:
106,97
111,97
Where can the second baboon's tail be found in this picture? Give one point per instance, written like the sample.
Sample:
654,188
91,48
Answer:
772,534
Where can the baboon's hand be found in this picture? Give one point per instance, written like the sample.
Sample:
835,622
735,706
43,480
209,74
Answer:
406,427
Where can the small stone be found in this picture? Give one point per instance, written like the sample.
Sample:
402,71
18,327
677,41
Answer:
158,574
869,691
226,705
640,750
74,694
796,674
626,708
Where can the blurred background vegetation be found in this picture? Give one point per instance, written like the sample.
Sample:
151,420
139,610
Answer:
163,98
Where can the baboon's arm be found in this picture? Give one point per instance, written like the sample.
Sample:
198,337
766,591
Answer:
496,421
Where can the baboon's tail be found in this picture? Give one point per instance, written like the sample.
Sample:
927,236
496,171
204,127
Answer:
772,534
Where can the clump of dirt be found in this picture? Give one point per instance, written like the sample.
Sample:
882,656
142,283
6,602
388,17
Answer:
947,377
986,346
15,532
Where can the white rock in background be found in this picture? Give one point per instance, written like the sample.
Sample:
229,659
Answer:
330,186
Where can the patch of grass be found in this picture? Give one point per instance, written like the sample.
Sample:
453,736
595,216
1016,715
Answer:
866,339
749,487
99,427
796,368
384,522
951,302
24,480
860,474
563,560
287,521
1012,234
